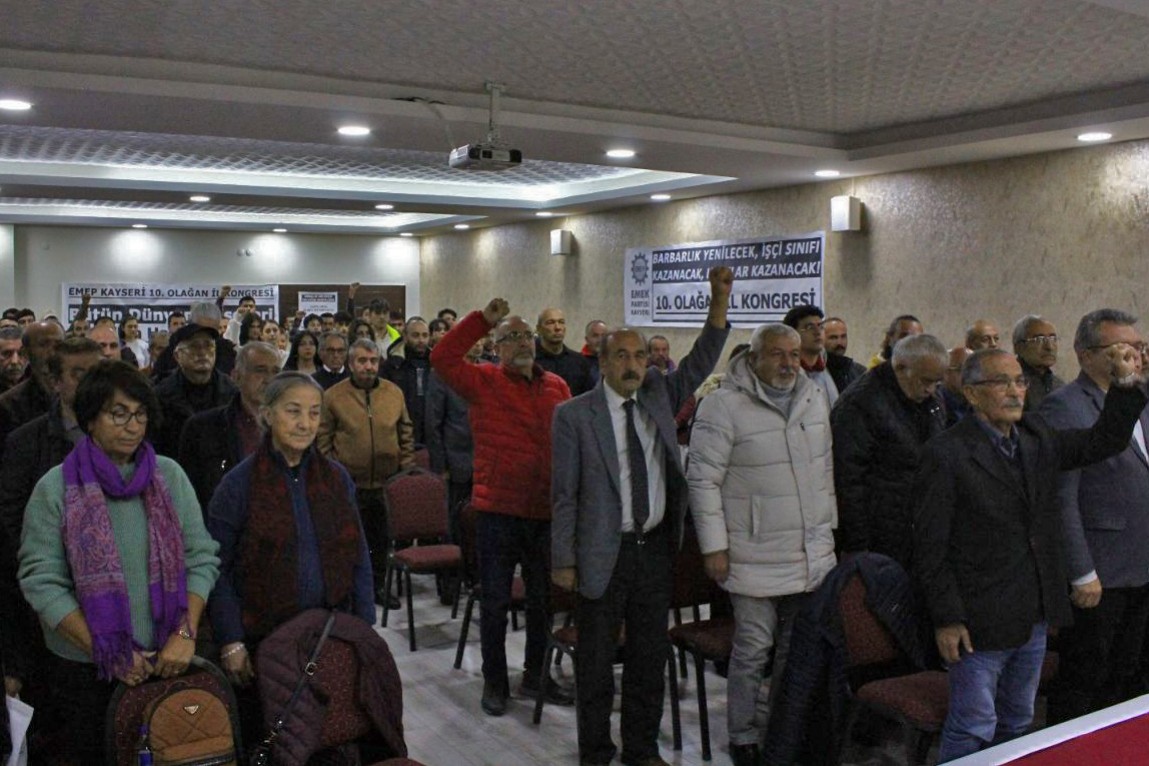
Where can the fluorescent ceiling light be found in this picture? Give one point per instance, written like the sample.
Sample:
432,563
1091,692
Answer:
620,154
14,105
545,214
1095,136
139,226
280,231
200,198
660,197
462,226
406,234
354,130
384,206
827,173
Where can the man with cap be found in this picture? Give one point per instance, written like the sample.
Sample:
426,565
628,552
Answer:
195,386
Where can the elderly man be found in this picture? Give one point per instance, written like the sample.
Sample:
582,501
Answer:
1035,343
553,356
807,320
12,364
957,407
409,371
619,506
1105,511
195,386
762,496
511,405
32,396
988,538
902,327
593,334
333,355
880,426
982,334
365,427
658,354
104,335
842,368
215,441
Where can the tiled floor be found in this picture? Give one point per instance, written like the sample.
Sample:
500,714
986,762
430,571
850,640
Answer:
446,727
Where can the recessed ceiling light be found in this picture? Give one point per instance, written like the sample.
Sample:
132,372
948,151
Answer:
462,226
620,154
827,173
354,130
200,198
406,234
139,226
545,214
280,231
384,206
1095,136
14,105
660,197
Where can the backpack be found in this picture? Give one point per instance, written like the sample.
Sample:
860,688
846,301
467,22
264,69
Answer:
192,720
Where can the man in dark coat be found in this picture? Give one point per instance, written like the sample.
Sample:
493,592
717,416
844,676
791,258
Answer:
553,356
988,540
409,372
31,397
195,386
842,368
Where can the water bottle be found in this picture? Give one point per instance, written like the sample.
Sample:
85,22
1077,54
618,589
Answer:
143,749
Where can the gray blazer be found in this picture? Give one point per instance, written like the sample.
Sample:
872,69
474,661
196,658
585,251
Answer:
586,522
1105,506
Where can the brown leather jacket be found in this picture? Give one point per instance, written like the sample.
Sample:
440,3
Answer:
369,432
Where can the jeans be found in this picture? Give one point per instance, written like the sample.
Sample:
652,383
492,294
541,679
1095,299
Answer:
760,624
502,542
991,696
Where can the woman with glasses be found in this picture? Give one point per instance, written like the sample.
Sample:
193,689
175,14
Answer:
115,560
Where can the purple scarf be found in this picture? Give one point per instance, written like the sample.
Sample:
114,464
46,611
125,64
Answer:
98,574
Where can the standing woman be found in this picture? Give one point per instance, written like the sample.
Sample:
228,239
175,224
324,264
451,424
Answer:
289,534
115,560
130,338
250,328
302,356
272,333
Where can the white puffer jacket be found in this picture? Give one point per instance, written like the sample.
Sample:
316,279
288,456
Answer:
762,485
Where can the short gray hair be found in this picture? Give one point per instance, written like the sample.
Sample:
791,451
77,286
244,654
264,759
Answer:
250,349
1089,328
284,382
914,348
1021,328
971,369
204,314
329,335
762,333
364,343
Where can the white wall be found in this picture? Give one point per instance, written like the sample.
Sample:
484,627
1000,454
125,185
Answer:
7,266
47,256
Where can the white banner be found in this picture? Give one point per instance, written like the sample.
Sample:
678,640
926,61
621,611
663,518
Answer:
667,286
318,303
152,304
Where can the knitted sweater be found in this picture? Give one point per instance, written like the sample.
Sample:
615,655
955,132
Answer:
45,576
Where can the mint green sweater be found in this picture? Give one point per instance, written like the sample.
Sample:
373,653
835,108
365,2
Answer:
46,578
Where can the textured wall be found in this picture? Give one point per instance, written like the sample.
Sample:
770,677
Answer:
1057,234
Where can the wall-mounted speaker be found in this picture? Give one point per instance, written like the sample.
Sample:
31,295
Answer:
845,213
562,243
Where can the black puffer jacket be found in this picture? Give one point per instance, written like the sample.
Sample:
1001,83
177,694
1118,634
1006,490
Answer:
878,438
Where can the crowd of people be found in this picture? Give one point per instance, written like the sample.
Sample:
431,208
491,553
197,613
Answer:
194,490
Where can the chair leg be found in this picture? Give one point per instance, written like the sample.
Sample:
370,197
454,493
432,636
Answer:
682,663
464,629
390,573
675,715
552,649
703,713
458,589
410,610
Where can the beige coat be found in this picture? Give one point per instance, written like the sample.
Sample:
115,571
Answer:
368,432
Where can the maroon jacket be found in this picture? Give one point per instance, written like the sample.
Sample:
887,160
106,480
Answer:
510,423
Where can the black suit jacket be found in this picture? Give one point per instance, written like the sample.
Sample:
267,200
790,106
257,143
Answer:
988,548
209,447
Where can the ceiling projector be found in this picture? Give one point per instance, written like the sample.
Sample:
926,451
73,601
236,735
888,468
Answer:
484,157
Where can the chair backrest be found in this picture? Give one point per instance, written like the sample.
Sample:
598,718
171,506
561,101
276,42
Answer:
423,458
867,640
416,503
691,586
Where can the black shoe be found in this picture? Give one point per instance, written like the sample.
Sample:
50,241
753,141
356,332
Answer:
745,755
554,694
392,602
494,698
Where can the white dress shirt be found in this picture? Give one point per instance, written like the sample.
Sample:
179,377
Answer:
655,459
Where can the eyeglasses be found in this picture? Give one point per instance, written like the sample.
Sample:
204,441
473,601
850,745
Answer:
517,336
120,417
1042,340
1001,384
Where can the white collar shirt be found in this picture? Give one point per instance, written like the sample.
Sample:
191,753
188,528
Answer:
653,451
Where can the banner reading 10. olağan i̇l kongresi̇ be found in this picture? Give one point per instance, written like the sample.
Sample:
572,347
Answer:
668,286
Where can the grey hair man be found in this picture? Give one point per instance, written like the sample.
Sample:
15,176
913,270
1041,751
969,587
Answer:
195,386
1035,343
880,425
12,364
770,553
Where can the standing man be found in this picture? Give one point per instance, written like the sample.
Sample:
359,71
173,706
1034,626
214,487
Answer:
409,372
903,326
982,334
11,361
762,496
658,354
842,368
449,442
366,428
1105,511
593,334
333,355
988,540
1035,343
807,320
511,406
619,504
195,386
952,397
552,354
31,397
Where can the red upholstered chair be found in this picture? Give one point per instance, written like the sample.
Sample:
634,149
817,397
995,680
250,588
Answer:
561,641
416,502
919,701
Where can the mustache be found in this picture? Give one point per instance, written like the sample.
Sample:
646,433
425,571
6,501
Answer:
631,375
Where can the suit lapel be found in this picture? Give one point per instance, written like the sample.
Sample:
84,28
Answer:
604,432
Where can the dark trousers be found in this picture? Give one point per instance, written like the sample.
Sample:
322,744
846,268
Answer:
458,493
638,597
1100,653
373,514
74,713
502,542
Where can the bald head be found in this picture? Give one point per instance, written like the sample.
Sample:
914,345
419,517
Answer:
957,358
39,341
982,334
552,330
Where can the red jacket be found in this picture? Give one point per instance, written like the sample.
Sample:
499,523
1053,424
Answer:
510,423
